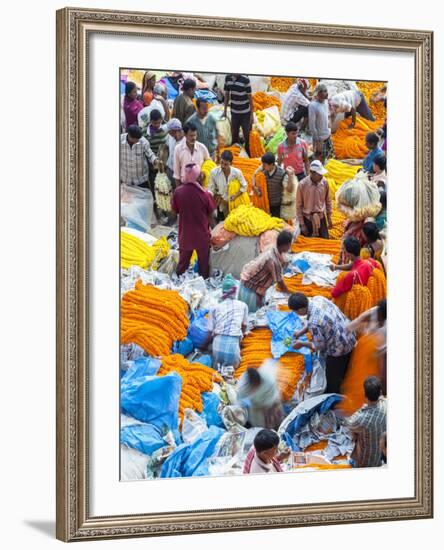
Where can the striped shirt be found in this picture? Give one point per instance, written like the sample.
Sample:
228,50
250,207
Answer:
156,138
368,424
227,318
292,100
263,271
218,184
239,88
328,327
134,161
206,130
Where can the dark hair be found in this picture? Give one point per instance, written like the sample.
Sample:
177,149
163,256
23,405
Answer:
189,127
284,237
381,162
383,198
155,115
372,138
265,440
268,158
297,301
372,388
134,131
254,378
291,127
370,230
188,84
382,310
200,101
352,246
227,155
129,87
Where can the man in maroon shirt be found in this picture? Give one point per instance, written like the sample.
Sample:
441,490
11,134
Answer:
196,208
359,270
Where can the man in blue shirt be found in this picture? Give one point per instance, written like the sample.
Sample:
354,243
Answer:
374,151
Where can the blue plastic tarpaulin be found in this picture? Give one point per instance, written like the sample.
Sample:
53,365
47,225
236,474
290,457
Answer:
152,399
146,438
184,347
210,411
198,329
283,325
206,95
191,459
301,414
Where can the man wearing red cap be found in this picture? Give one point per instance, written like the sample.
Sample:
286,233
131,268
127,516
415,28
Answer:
196,208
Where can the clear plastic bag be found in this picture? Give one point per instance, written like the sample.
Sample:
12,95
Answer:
358,198
136,206
193,425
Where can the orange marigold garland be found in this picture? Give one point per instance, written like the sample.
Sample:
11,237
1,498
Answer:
153,318
262,201
196,379
257,148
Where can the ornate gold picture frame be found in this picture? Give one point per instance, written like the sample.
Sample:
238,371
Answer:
74,27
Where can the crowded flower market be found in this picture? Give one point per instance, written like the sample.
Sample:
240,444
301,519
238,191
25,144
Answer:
253,274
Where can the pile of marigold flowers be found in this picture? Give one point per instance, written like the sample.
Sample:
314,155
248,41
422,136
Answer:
318,245
262,100
153,318
281,83
294,284
196,379
368,89
349,143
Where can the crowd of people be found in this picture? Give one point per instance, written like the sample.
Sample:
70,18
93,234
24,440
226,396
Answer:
177,138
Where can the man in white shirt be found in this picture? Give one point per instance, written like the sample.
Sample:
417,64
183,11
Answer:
319,124
349,102
220,179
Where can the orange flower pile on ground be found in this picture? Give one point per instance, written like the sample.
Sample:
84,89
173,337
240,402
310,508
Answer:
281,83
368,88
196,379
262,201
262,100
257,148
349,143
294,284
153,318
364,362
256,348
318,245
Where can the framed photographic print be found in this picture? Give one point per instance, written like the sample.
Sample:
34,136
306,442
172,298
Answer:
244,274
